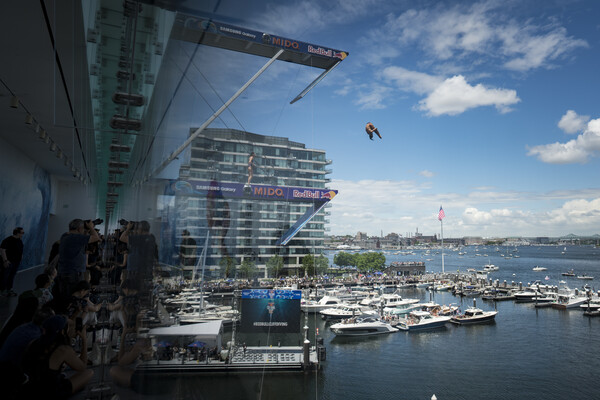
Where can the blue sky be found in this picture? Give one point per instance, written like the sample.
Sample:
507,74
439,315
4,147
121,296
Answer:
488,108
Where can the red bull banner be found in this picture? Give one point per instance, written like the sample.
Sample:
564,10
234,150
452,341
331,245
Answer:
192,187
218,34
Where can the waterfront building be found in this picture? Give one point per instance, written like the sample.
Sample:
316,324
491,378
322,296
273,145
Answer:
250,228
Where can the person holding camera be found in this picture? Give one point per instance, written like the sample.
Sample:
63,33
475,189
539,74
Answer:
72,258
142,254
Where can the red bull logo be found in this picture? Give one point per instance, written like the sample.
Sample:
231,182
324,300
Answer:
320,51
341,55
328,195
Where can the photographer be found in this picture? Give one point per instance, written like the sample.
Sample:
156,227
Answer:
142,254
72,258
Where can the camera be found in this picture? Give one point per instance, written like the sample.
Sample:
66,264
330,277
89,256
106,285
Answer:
97,221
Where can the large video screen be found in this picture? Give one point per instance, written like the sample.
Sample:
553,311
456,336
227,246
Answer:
270,310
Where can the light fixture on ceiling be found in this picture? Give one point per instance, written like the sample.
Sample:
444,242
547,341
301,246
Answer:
121,122
29,119
14,102
53,147
120,147
67,161
118,164
42,135
59,154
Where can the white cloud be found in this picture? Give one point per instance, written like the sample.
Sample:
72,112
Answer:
465,32
533,50
578,150
412,81
455,96
291,18
426,173
573,123
372,98
403,206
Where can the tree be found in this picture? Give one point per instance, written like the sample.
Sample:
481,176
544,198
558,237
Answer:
321,264
370,262
343,259
248,268
275,265
308,264
226,264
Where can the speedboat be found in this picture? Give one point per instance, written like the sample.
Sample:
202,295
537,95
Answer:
395,300
474,315
585,277
344,311
324,303
567,299
362,325
527,295
569,273
490,267
422,320
538,268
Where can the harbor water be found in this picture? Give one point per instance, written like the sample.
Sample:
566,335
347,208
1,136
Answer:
527,353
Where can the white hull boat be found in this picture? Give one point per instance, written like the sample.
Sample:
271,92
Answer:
422,320
362,326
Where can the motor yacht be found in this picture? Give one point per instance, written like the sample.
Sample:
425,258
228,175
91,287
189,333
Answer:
343,311
422,320
569,273
568,299
538,268
362,325
394,300
320,305
585,277
474,315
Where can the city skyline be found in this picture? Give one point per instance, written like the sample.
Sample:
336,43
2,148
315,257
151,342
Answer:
486,108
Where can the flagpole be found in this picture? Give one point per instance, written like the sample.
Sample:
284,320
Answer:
442,224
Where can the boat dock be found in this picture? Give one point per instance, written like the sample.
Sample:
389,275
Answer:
249,360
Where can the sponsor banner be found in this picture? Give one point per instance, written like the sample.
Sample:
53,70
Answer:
270,310
203,25
228,190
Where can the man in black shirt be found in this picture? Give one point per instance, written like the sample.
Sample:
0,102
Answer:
11,253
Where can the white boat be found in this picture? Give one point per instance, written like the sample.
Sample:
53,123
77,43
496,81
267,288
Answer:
474,315
537,268
373,299
585,277
490,267
395,300
527,295
324,303
592,305
423,285
343,311
421,320
443,287
362,325
568,299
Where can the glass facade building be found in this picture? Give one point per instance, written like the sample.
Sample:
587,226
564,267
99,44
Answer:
247,228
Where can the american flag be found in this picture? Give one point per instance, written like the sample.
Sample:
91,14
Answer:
441,214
